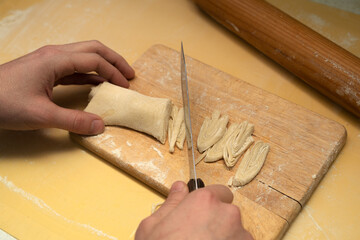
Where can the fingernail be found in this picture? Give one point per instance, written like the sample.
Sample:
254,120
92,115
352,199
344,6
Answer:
97,126
177,187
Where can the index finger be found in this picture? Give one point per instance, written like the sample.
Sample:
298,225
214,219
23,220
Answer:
107,53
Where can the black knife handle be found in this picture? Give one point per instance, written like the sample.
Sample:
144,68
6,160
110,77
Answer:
191,184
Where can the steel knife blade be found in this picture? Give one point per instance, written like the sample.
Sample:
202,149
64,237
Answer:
194,182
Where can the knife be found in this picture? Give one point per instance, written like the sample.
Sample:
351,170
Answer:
194,182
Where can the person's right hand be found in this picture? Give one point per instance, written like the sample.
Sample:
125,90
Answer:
206,213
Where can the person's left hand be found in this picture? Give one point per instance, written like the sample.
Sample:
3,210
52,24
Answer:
26,85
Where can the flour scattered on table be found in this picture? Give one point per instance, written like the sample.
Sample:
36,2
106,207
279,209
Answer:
128,143
349,40
309,211
41,204
14,19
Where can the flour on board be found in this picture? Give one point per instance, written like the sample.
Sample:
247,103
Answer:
117,153
105,139
158,151
154,171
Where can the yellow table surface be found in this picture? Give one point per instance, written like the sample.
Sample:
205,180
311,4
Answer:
51,188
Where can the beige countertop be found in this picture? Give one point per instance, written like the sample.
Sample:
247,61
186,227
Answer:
51,188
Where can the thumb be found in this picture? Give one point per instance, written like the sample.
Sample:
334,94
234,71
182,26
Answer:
75,120
177,193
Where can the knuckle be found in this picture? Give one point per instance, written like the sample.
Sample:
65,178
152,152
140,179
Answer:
234,213
146,224
48,50
206,196
96,43
95,60
78,121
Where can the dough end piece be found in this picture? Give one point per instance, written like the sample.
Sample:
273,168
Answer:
127,108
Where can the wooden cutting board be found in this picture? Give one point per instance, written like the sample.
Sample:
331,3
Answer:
303,144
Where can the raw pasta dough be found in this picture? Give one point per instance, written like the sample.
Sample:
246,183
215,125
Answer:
211,131
124,107
232,145
176,129
238,142
251,164
215,153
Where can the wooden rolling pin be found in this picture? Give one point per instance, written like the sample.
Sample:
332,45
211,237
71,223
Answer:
316,60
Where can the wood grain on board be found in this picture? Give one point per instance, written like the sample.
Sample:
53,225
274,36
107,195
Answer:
303,144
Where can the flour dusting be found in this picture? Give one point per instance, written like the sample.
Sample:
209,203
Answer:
105,139
315,19
349,40
15,18
117,152
154,171
41,204
351,6
158,151
307,210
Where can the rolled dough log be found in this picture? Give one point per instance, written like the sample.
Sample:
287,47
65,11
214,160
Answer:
124,107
